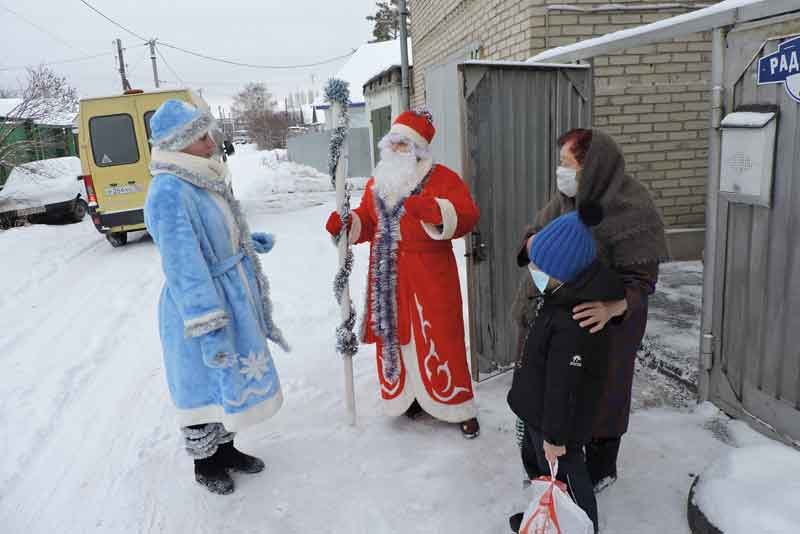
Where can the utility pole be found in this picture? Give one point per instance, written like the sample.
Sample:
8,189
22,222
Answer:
153,59
126,86
405,95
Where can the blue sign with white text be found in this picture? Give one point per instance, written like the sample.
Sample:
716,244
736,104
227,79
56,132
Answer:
782,67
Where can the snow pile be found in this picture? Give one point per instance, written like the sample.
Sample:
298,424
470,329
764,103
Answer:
259,174
42,182
755,488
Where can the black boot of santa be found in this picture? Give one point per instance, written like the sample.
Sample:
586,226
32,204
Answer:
236,460
211,473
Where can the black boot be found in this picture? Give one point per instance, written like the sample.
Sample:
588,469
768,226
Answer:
212,474
414,411
238,461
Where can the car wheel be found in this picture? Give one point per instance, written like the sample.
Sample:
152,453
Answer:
117,239
79,210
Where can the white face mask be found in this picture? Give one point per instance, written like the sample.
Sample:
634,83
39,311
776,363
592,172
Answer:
567,181
540,279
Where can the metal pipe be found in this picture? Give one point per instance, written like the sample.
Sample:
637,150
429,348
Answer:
707,340
405,95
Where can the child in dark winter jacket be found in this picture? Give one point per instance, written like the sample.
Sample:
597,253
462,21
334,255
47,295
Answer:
559,379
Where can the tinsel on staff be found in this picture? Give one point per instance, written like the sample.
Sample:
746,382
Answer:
337,94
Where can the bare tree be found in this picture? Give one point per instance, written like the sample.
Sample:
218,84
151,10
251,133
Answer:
45,98
254,106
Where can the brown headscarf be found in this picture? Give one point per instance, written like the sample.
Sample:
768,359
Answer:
632,231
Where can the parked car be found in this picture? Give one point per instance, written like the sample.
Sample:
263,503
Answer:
43,191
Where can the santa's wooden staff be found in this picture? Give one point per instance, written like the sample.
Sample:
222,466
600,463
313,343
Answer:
337,94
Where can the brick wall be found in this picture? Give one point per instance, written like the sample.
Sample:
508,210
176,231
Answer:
654,99
500,29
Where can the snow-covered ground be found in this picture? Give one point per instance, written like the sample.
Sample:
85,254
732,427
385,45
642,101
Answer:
88,442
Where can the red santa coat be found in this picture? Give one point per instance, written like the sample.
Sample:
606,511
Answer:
429,320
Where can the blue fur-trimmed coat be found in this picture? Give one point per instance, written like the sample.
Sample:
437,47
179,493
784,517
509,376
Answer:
213,332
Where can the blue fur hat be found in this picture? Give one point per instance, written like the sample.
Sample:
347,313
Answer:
176,125
565,247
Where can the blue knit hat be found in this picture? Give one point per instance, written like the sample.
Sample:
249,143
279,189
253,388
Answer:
176,125
565,247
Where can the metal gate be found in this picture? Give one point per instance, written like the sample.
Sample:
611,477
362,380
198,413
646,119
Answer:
757,320
513,113
381,123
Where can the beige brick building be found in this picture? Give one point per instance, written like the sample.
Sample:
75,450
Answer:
653,99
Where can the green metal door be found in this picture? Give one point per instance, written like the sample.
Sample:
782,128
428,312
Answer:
381,123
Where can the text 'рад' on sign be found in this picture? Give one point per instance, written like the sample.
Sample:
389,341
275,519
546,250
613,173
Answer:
782,67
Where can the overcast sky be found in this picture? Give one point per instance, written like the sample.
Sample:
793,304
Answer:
272,32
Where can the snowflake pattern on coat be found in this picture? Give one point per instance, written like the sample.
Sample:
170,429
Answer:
254,365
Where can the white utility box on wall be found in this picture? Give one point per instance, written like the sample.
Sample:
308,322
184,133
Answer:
748,155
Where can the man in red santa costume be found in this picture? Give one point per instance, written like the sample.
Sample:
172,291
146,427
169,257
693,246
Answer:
411,211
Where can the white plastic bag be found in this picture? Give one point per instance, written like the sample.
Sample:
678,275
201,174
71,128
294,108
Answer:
552,510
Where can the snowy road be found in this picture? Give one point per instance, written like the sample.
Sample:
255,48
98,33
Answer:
88,442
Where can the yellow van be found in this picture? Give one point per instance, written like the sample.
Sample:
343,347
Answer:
115,157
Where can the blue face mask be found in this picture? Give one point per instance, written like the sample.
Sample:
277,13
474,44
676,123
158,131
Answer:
540,279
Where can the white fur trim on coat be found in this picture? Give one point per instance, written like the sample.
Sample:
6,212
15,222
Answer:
206,323
233,421
447,229
415,389
411,133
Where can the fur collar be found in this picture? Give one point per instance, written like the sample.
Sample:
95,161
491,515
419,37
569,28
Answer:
208,168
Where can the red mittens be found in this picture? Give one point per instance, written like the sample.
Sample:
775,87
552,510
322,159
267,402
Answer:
426,209
334,224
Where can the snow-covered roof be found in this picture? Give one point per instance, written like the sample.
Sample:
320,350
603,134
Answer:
61,118
369,60
725,13
7,105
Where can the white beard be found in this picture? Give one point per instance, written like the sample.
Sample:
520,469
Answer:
395,176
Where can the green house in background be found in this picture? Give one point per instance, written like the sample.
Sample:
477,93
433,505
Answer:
52,137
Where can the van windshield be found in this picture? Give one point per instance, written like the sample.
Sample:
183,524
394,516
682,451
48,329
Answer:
113,140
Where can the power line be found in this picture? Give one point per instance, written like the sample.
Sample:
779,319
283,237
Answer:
41,29
65,61
112,21
169,67
256,66
139,64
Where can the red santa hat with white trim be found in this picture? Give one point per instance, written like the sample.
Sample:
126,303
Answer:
416,125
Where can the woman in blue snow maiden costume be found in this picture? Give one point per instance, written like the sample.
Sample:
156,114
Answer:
215,313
